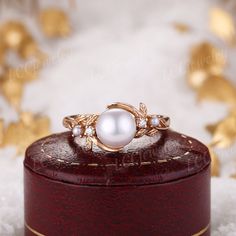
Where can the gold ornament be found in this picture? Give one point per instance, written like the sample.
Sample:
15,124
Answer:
233,176
13,34
13,81
29,128
24,74
12,90
205,60
28,48
217,88
181,27
2,52
54,23
223,132
1,131
215,163
222,24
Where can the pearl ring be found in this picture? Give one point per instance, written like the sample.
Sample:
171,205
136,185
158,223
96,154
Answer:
116,127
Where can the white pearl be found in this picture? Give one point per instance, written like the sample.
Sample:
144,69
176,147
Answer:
154,121
116,128
77,131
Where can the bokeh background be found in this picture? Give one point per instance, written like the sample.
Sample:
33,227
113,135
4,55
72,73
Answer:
67,57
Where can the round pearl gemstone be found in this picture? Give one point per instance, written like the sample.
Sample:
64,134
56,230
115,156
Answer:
154,121
77,131
116,128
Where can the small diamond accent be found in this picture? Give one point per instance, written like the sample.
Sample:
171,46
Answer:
77,131
142,123
154,121
89,131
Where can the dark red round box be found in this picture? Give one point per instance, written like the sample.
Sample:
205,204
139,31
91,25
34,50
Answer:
161,190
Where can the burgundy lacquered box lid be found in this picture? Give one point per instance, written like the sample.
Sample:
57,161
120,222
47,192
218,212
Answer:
173,156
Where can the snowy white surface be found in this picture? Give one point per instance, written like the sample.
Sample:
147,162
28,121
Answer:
124,51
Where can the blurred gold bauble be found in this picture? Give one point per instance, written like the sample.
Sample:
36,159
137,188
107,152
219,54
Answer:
13,34
54,23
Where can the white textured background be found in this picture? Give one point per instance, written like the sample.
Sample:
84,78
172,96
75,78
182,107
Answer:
123,51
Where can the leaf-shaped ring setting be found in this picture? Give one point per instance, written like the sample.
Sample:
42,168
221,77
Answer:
116,127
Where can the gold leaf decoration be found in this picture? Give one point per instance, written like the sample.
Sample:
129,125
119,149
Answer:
54,23
13,34
233,176
1,131
222,24
205,60
215,164
152,132
181,27
2,52
217,88
211,128
28,48
140,133
12,90
224,132
143,109
196,78
12,83
89,143
29,128
91,120
24,74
